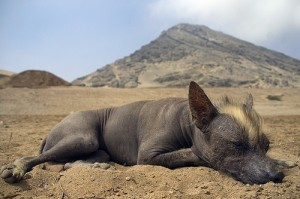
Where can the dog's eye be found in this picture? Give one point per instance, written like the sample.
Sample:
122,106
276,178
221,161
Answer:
266,147
239,145
265,143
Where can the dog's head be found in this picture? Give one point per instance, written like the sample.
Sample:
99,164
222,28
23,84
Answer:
230,138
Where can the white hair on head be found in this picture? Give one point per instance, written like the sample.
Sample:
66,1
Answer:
248,119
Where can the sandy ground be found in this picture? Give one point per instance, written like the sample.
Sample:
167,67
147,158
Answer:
27,115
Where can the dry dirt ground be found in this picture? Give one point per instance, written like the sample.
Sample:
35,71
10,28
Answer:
27,115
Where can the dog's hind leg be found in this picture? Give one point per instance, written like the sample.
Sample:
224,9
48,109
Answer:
15,171
68,148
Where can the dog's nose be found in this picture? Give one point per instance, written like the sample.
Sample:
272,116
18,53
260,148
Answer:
276,176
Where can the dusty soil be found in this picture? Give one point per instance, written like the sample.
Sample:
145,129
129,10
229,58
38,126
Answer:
27,115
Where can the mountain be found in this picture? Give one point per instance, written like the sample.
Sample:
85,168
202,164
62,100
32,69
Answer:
193,52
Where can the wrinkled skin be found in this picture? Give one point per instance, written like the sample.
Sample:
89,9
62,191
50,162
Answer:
171,132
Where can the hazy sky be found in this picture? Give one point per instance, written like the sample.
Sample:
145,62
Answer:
72,38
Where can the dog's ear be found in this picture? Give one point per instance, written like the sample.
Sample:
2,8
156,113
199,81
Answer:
203,111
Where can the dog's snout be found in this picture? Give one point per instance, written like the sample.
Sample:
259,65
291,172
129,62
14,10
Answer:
276,176
255,169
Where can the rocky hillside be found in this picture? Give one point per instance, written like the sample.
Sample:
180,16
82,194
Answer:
192,52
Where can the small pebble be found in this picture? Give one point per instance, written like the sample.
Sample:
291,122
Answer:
128,178
207,192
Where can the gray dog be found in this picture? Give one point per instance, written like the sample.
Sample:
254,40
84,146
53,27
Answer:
171,132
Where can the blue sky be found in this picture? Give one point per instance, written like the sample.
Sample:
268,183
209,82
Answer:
72,38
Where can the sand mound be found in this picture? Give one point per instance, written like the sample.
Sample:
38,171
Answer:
36,79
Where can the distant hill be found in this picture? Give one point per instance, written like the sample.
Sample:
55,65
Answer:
5,73
5,77
34,79
192,52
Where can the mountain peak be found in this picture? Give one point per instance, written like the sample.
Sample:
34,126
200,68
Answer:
193,52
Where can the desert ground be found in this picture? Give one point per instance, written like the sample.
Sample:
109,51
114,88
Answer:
27,115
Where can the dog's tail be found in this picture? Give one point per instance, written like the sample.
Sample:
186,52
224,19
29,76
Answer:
42,146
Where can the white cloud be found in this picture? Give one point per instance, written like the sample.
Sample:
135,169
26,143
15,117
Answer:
258,21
